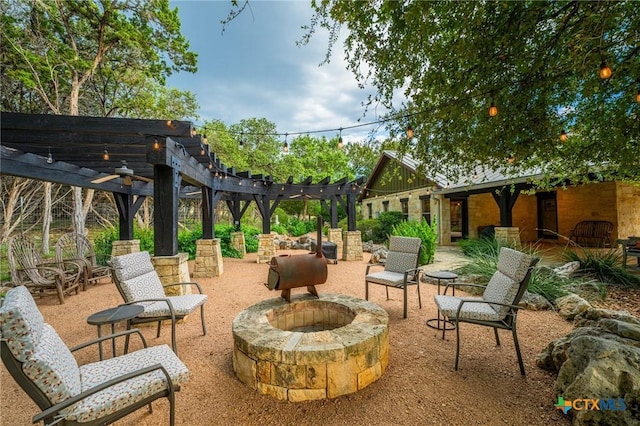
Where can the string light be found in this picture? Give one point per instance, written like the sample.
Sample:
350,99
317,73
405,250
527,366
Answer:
156,144
605,71
340,144
105,154
410,132
202,151
638,96
285,147
204,139
49,157
493,110
170,124
563,136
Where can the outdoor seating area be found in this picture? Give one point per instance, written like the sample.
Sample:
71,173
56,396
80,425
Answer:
416,354
596,233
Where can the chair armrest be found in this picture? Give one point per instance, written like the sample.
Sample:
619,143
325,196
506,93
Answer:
371,265
184,285
109,337
453,285
82,395
415,271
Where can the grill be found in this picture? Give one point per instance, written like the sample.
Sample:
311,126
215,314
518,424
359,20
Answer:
287,271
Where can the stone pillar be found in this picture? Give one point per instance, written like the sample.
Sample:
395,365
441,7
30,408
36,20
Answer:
266,248
508,235
121,247
237,242
352,246
208,259
335,236
173,269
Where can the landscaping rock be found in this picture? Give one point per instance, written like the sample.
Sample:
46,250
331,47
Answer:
567,269
535,302
379,255
571,305
368,246
598,361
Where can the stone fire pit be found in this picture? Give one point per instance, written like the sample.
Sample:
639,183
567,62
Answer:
310,348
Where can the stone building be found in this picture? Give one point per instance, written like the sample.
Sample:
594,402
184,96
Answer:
462,209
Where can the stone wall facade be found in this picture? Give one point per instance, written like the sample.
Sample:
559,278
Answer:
208,261
121,247
171,270
628,210
238,243
266,248
352,249
335,236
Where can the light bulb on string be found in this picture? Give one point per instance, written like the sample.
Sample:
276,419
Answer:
156,144
49,157
340,144
285,146
410,132
563,136
638,96
493,109
605,71
105,154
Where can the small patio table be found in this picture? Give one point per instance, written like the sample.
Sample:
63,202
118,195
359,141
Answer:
446,276
112,316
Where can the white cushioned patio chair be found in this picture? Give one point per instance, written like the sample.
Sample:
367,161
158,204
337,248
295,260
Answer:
92,394
498,306
139,283
400,269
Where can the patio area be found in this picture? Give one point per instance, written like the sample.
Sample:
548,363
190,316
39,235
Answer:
418,387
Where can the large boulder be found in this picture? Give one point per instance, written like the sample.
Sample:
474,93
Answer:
599,359
571,305
379,255
535,302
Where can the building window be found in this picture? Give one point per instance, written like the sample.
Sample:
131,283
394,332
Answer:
385,206
425,205
370,210
404,206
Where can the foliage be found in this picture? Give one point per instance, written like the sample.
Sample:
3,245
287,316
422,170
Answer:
103,244
474,247
299,227
187,241
420,229
251,238
606,265
279,229
368,229
537,61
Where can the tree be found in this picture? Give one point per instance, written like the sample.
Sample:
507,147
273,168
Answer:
54,48
537,62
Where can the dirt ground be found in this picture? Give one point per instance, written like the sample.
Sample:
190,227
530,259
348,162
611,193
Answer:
420,386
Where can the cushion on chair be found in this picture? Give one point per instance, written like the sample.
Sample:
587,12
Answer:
387,278
400,262
405,244
53,368
145,286
182,305
128,392
20,322
448,306
131,265
501,289
513,263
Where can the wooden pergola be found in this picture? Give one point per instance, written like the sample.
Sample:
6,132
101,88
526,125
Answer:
164,159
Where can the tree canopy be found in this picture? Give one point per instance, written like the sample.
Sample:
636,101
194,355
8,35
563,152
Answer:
439,66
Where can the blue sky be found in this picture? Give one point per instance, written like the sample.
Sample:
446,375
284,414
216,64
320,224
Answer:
255,69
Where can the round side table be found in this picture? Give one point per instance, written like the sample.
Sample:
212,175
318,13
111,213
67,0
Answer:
112,316
440,323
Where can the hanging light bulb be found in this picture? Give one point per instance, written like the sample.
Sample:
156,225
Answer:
510,159
493,110
340,144
156,144
211,167
285,146
202,151
105,154
204,139
193,132
563,136
49,157
605,71
410,132
638,96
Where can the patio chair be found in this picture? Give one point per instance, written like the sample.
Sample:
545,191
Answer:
73,246
498,306
139,283
400,269
29,269
92,394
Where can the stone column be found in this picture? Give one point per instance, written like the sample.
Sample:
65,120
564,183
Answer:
508,235
352,246
173,269
208,259
237,242
266,248
121,247
335,236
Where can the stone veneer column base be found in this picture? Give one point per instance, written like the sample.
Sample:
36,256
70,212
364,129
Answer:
509,235
352,246
266,248
208,259
238,243
171,270
121,247
335,236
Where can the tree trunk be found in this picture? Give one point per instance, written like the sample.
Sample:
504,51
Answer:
46,217
78,211
16,190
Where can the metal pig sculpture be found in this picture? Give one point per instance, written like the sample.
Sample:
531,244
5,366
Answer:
287,271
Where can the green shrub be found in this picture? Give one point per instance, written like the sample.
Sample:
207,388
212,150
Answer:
250,238
297,227
103,244
427,233
387,221
369,228
280,229
605,265
187,241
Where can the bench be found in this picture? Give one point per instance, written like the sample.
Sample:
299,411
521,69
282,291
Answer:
630,247
592,233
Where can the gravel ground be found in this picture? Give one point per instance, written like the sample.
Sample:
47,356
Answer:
419,387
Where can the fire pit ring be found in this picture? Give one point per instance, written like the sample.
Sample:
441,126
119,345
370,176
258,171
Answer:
311,348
